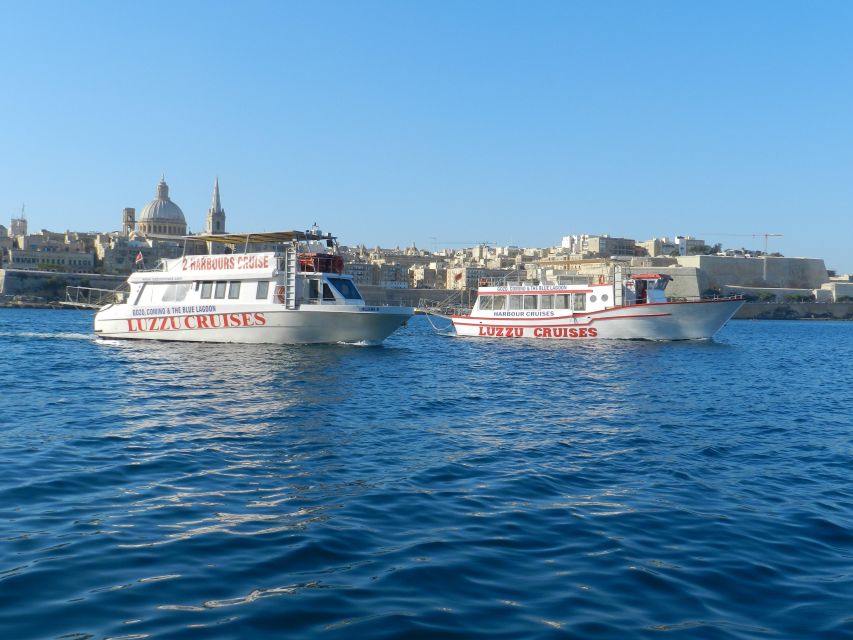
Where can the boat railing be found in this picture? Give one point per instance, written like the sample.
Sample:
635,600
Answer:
160,266
508,279
449,306
320,263
93,297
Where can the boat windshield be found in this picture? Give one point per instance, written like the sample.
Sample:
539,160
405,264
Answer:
346,288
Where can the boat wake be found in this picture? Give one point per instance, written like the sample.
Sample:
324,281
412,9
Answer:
35,335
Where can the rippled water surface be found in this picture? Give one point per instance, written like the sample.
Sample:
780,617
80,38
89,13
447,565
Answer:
430,488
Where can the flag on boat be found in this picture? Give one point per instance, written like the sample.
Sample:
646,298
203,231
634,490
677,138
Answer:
458,276
138,257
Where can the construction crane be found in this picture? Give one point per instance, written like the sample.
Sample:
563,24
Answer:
750,235
470,243
466,243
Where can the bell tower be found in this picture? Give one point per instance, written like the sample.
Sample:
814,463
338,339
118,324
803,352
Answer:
128,221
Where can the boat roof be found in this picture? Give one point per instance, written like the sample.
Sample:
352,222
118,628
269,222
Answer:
650,276
268,237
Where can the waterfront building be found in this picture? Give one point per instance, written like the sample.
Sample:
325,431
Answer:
393,276
18,226
675,246
598,246
51,259
363,273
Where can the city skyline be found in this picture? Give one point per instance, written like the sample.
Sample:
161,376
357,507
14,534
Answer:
439,123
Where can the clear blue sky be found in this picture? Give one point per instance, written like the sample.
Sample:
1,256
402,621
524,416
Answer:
401,121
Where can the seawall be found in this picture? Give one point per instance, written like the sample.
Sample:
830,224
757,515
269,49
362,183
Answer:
796,311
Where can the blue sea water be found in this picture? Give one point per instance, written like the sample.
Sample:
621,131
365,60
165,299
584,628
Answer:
433,487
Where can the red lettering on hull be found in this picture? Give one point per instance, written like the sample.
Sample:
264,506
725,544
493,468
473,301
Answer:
502,332
193,323
565,332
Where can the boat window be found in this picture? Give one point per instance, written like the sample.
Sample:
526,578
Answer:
579,303
485,303
515,302
561,301
233,290
546,302
313,289
176,292
206,288
592,298
346,288
219,291
604,297
499,302
328,296
530,302
263,290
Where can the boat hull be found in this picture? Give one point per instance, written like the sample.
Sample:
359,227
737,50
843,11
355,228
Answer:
659,321
270,324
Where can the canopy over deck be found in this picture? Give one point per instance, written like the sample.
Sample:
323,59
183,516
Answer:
266,237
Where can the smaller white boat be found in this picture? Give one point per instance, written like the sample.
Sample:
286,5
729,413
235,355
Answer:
632,308
294,294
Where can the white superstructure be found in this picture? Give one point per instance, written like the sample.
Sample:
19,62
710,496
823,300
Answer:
631,308
296,293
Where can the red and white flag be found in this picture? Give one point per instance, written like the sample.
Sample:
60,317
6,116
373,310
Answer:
138,257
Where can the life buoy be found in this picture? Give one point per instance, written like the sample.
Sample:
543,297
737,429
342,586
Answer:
279,294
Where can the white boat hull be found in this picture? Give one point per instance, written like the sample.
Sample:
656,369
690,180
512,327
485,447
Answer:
657,321
263,324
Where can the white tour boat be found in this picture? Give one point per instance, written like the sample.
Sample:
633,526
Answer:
295,294
633,308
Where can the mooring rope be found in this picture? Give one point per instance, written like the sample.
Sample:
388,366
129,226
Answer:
432,324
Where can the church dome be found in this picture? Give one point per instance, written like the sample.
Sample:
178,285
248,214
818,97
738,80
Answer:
161,208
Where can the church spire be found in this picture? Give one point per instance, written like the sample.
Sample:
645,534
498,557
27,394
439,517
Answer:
215,205
216,214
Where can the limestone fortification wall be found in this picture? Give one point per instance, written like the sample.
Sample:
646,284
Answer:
50,285
790,273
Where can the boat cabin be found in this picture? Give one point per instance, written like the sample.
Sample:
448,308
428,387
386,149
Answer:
558,300
646,288
301,271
